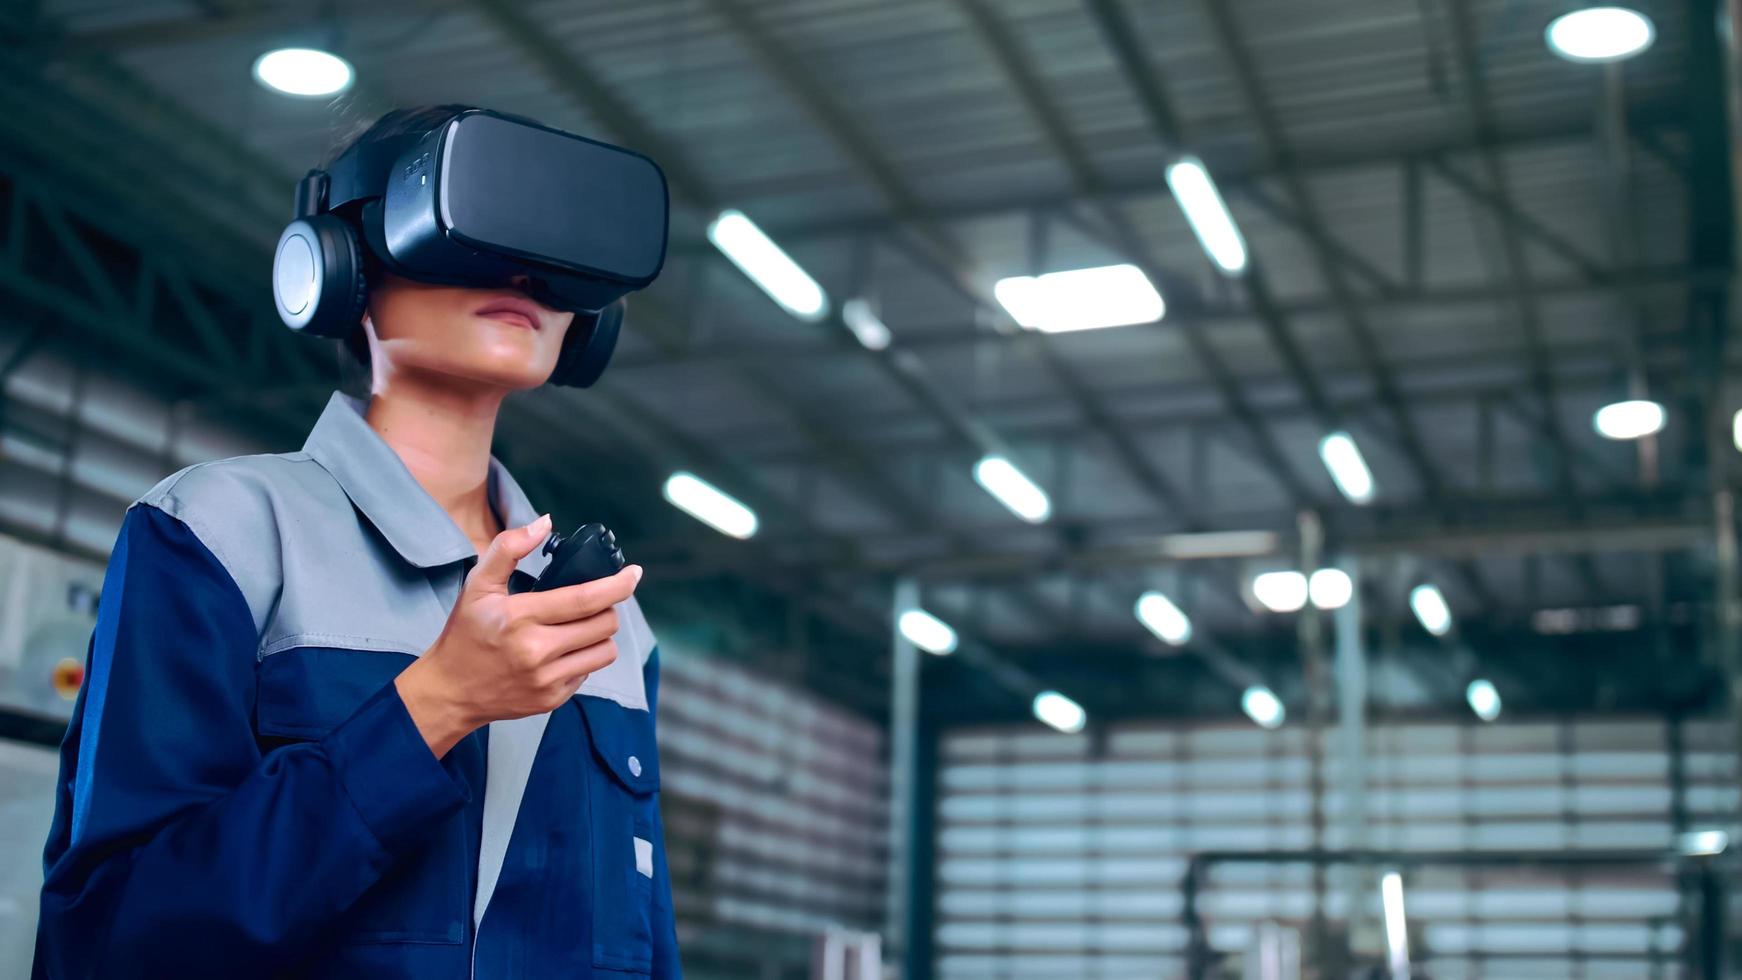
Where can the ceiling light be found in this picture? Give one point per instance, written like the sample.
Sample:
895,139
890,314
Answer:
710,505
927,632
1431,609
303,71
1081,299
1163,618
866,326
1060,712
1628,420
756,255
1262,706
1330,588
1003,480
1600,34
1736,430
1484,699
1612,619
1396,927
1219,544
1281,592
1703,843
1348,470
1208,214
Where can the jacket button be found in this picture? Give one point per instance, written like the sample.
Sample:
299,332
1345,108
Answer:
634,766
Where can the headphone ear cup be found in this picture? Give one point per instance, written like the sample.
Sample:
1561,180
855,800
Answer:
317,277
587,348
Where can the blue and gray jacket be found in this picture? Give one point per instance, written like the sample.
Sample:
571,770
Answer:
243,794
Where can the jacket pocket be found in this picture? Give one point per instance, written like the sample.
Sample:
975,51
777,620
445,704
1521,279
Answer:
304,693
623,783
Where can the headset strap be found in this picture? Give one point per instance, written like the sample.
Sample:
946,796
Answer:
361,172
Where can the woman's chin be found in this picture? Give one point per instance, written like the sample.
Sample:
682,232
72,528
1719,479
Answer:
489,372
516,374
514,361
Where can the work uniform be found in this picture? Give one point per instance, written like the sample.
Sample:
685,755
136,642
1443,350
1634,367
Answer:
242,792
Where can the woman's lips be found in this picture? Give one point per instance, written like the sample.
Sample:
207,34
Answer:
517,310
511,316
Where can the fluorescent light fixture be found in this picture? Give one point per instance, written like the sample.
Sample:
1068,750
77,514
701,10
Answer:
1262,706
1396,927
927,632
1163,618
871,331
1348,470
305,72
1484,699
710,505
1220,544
1208,214
1736,430
1431,609
1600,34
1081,299
1281,592
1060,712
1330,588
1703,843
1003,480
756,255
1596,619
1628,420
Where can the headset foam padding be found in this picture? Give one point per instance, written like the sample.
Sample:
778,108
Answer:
588,346
317,277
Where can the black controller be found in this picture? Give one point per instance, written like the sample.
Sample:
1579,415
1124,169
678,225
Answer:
589,553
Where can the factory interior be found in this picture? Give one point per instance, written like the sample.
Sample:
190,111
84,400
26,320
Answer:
1211,489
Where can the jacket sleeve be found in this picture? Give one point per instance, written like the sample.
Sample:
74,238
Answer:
178,847
665,959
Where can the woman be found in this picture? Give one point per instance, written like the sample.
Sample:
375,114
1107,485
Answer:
321,736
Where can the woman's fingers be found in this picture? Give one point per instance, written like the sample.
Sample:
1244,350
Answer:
496,565
563,639
576,602
572,668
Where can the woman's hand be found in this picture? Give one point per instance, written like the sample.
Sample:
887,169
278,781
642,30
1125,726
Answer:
508,656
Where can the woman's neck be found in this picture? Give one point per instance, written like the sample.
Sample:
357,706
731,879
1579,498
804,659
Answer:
443,436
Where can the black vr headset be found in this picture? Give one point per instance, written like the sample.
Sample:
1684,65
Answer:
482,200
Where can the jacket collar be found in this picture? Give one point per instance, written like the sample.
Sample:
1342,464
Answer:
392,500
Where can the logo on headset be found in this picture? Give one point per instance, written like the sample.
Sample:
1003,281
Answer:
417,165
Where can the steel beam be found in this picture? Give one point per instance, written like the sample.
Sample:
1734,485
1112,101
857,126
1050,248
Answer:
1516,267
1304,224
1487,528
1276,143
904,774
1516,222
954,335
1351,743
1646,119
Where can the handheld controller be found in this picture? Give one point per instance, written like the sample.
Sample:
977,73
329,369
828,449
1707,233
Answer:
589,553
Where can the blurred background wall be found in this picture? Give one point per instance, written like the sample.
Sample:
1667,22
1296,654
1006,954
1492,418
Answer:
1345,573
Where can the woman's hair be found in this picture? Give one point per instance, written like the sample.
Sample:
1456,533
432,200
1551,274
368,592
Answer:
354,348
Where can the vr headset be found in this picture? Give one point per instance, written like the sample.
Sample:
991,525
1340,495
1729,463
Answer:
483,200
